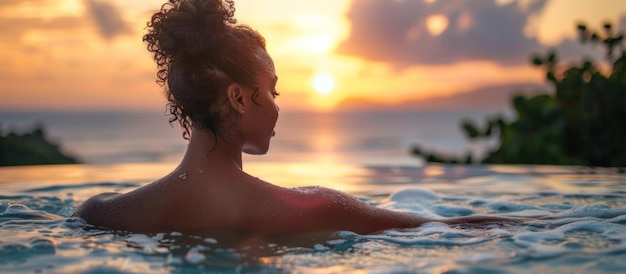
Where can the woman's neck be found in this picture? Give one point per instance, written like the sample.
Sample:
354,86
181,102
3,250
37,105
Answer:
206,150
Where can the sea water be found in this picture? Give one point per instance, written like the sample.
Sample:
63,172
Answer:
99,137
577,222
577,215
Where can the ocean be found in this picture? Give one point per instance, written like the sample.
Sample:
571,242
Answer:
99,137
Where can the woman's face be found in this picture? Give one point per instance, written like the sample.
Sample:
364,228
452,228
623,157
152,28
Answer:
260,116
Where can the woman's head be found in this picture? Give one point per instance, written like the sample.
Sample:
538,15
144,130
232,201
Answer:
200,52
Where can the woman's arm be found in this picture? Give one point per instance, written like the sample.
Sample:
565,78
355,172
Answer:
320,209
339,211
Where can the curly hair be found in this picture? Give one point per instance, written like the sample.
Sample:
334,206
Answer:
199,52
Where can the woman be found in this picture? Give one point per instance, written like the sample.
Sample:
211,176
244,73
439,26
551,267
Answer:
221,86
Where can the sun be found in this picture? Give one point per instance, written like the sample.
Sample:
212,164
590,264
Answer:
323,83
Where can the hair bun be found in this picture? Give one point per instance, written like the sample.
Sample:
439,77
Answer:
187,28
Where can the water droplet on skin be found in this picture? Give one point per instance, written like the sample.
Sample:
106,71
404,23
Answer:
183,176
201,170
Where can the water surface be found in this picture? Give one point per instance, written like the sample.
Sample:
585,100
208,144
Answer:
579,227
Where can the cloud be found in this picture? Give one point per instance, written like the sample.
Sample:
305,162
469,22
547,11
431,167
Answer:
107,18
19,26
404,32
491,97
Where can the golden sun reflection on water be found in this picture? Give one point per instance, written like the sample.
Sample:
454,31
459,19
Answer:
73,174
15,179
433,170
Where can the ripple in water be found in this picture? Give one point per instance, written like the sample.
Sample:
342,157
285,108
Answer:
570,233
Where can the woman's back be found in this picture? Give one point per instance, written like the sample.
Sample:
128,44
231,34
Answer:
220,84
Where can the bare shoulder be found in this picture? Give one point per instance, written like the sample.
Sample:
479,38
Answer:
91,210
96,201
309,209
318,198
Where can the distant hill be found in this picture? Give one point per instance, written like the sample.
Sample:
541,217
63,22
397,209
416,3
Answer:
31,148
495,98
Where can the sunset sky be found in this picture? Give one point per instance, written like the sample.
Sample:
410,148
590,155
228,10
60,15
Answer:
88,54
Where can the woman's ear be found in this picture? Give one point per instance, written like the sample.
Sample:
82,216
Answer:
235,97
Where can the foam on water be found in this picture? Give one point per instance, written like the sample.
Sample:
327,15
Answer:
572,230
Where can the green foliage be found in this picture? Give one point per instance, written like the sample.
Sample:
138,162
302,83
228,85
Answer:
582,122
31,148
